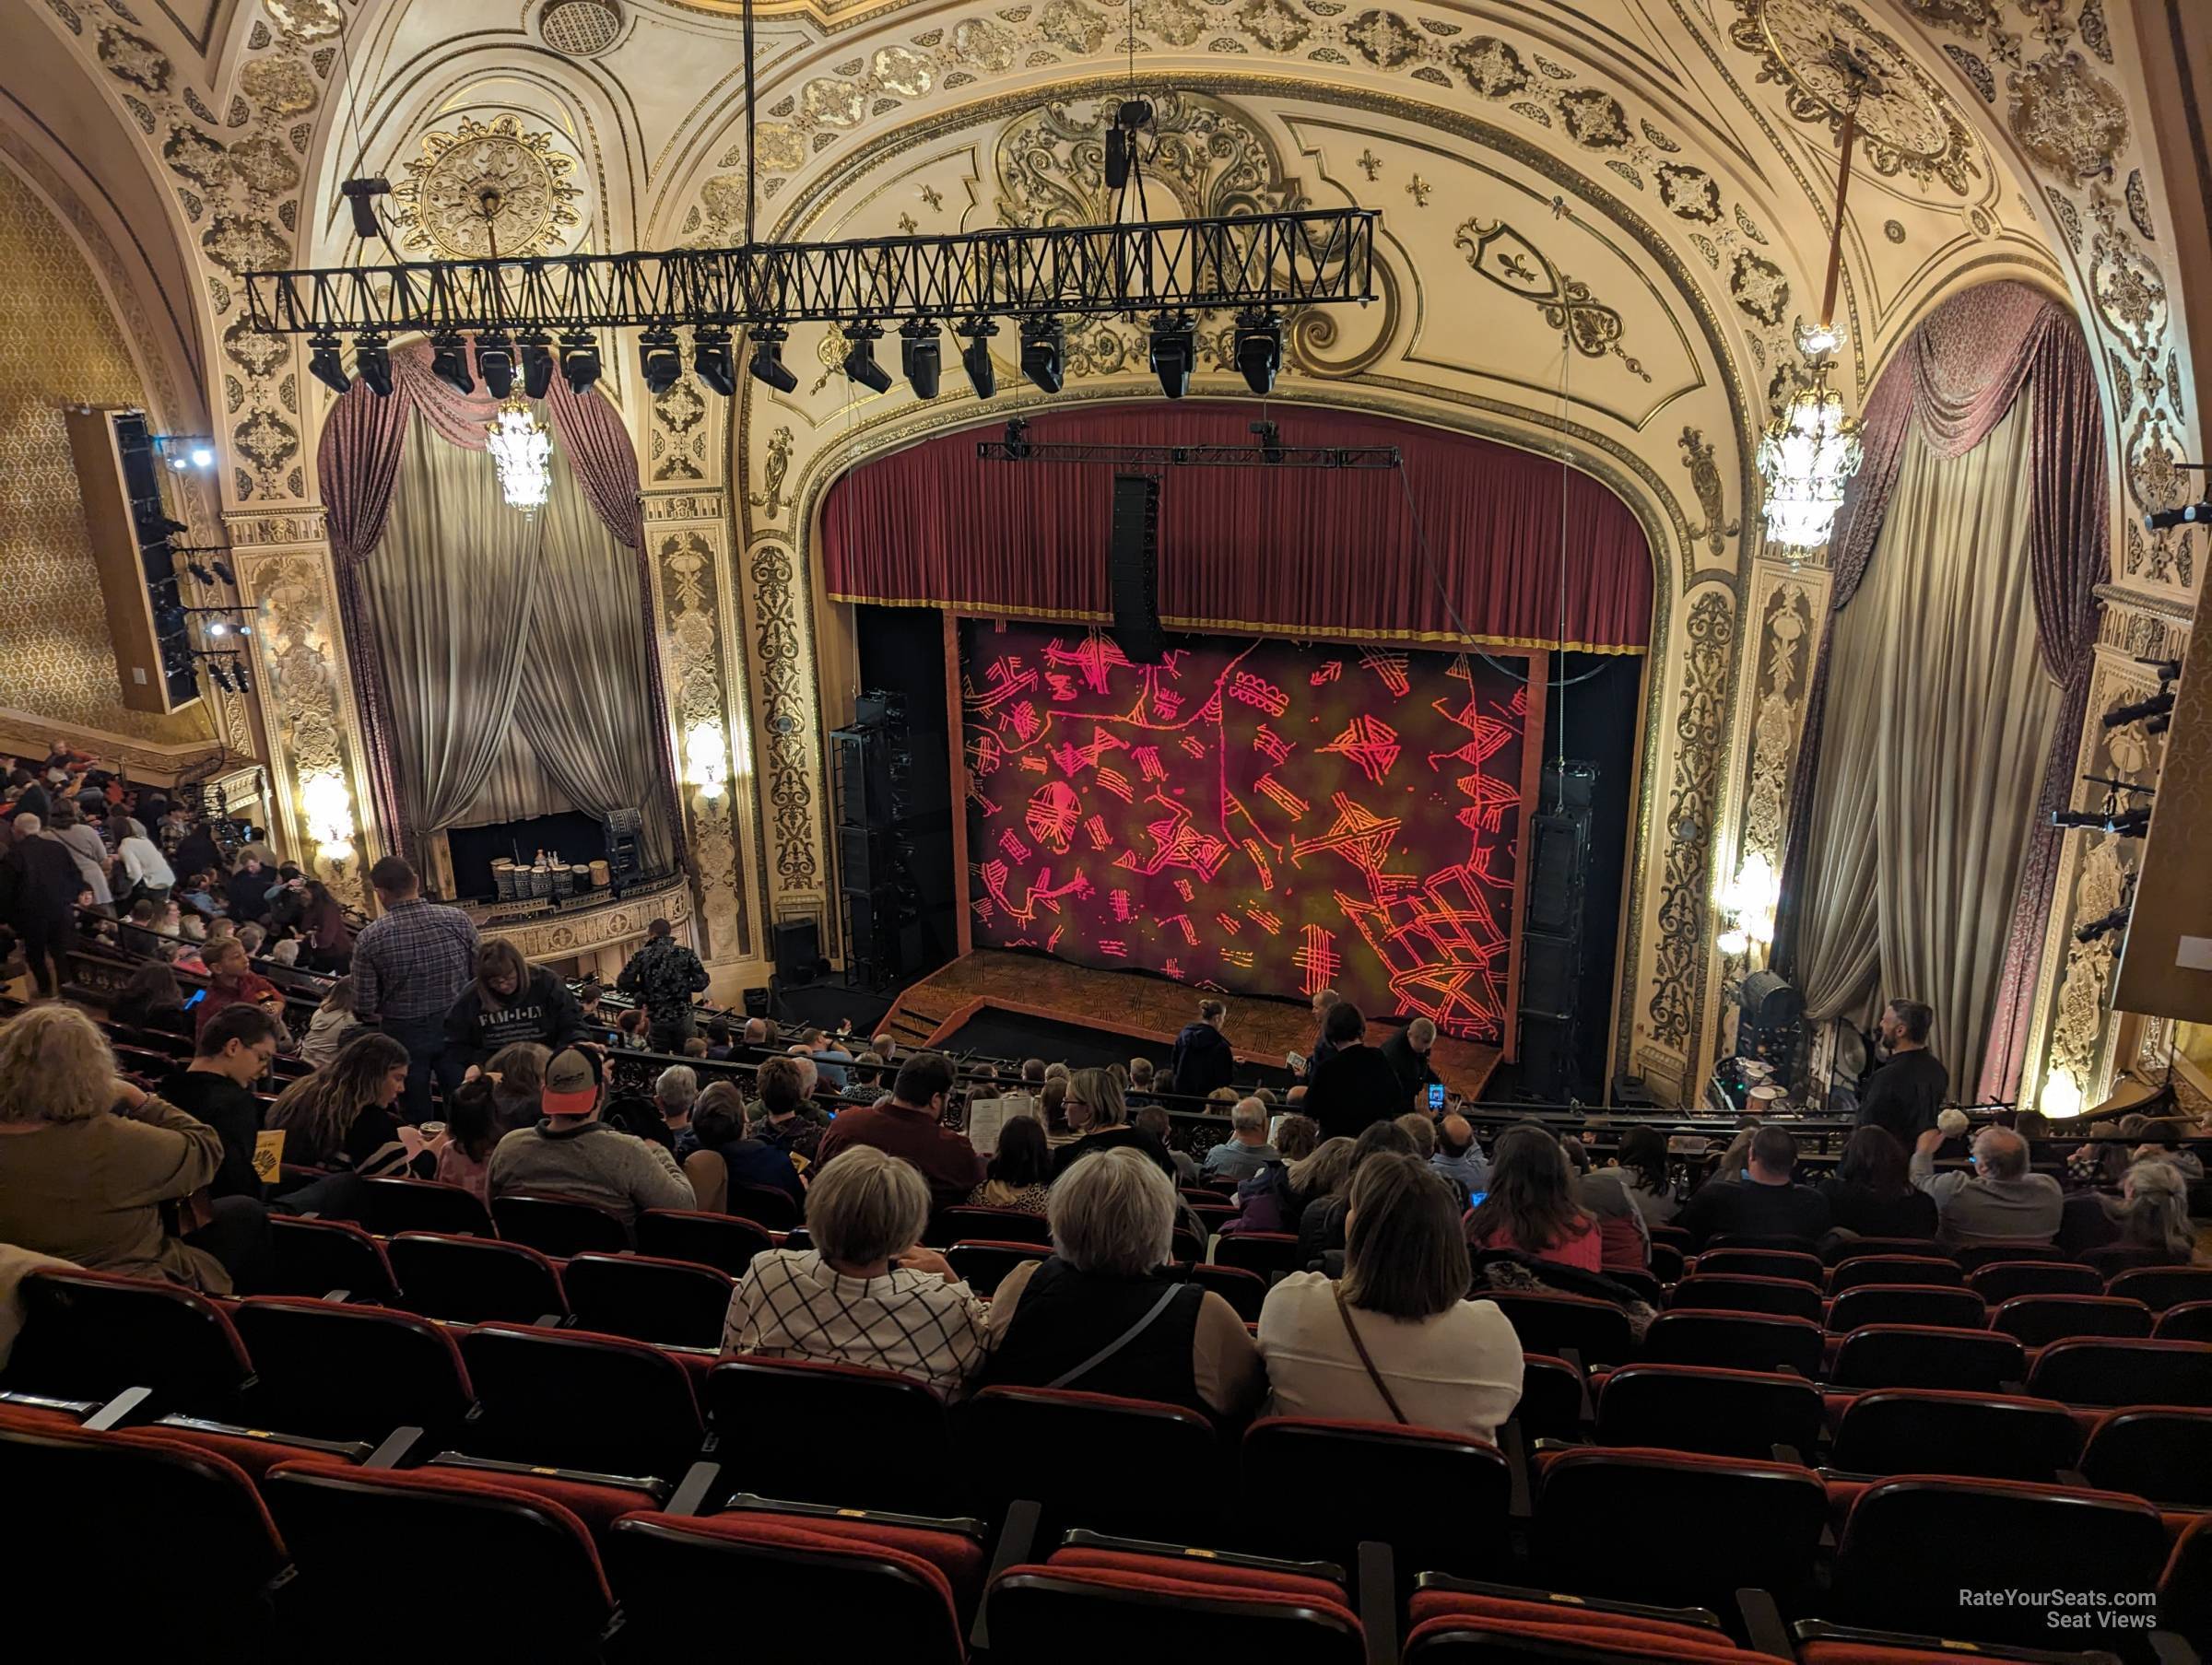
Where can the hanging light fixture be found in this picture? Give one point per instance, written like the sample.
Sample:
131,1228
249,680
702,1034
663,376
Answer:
1810,451
520,443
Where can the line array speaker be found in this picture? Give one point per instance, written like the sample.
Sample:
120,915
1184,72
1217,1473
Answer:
1136,567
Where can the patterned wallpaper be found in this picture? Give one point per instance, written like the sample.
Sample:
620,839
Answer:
58,344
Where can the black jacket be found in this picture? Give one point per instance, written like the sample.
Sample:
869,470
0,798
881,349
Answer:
1113,1138
1904,1094
39,883
543,1009
1354,1088
1203,1061
1412,1067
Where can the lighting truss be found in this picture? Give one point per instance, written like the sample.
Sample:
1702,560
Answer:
1237,263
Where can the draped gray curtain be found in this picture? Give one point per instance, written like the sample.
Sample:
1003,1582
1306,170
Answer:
453,589
1941,716
518,789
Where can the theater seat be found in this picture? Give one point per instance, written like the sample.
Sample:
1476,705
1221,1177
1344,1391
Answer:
392,1206
1728,1523
718,1240
2190,1321
890,1449
572,1400
474,1280
769,1206
1094,1461
1265,1252
1912,1356
1926,1431
1720,1412
346,1372
1551,1399
962,1224
178,1534
1930,1305
315,1257
984,1266
669,1302
1597,1331
778,1585
2005,1280
1975,1256
89,1335
2162,1453
1913,1543
1926,1270
1776,1298
1761,1263
1455,1622
559,1227
2159,1288
377,1582
1734,1341
2185,1588
1318,1489
1245,1292
1085,1606
2104,1371
1840,1249
2034,1321
1822,1643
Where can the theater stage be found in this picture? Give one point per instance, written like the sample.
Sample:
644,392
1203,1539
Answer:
1147,1010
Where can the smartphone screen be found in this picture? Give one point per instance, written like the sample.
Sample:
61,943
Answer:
196,996
1436,1095
1475,1199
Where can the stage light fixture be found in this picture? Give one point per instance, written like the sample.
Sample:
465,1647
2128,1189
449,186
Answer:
325,364
372,359
921,357
1270,440
199,573
580,360
538,364
975,356
1259,350
177,464
767,364
222,572
860,357
495,363
1045,353
712,361
449,363
238,674
202,456
1174,350
660,360
1017,440
217,627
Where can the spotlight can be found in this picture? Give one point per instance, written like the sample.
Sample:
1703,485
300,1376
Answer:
449,363
860,358
372,359
659,361
975,356
1259,351
580,360
711,359
495,363
1174,349
325,364
1044,354
538,364
921,357
767,364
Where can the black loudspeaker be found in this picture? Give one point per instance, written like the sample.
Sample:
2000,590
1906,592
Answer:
1136,567
798,950
757,1002
1552,934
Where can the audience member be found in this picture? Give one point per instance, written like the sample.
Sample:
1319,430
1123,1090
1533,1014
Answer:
247,888
144,871
675,1091
663,975
720,1047
1871,1194
1766,1203
1356,1086
1321,1225
333,1024
232,1053
517,1075
1459,1157
1277,1198
1020,1175
510,1000
1644,1175
1203,1058
866,1293
885,1045
572,1154
630,1029
89,1161
341,1115
831,1060
1624,1240
1419,1127
471,1133
1246,1151
1904,1094
152,1000
328,930
39,883
86,848
746,1156
1396,1338
1144,1081
1052,1104
1153,1119
909,1125
232,982
866,1085
1098,1110
1998,1202
409,966
1100,1316
2153,1214
1531,1207
1406,1052
785,1124
1325,999
253,938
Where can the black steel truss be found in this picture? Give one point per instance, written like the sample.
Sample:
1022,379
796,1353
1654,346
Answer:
1257,261
1191,456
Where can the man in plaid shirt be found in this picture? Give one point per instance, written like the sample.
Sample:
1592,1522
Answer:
410,965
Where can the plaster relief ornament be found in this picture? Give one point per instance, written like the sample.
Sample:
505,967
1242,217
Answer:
1824,52
440,203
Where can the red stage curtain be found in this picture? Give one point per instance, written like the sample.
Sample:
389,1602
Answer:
1315,552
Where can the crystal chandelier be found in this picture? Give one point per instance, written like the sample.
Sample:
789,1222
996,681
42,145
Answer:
521,448
1810,451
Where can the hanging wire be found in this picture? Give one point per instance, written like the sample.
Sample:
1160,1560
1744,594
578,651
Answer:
752,170
361,134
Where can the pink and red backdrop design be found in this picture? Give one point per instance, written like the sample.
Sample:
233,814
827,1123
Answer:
1257,816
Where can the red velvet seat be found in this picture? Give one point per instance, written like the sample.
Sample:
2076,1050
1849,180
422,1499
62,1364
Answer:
1761,1263
1775,1298
2034,1321
533,1588
2104,1371
1318,1489
2162,1453
1923,1431
1840,1249
1912,1544
474,1280
794,1586
1265,1252
891,1445
984,1266
2159,1288
1914,1355
568,1399
962,1225
718,1240
2185,1588
1975,1256
2003,1280
672,1303
1093,1460
1551,1399
1669,1263
1734,1341
200,1587
352,1373
89,1335
769,1206
2191,1322
1103,1607
1821,1643
1730,1523
1452,1622
1597,1331
559,1226
392,1206
1245,1292
1926,1270
316,1257
1720,1412
1929,1305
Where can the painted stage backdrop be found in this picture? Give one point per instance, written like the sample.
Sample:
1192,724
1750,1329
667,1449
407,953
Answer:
1256,815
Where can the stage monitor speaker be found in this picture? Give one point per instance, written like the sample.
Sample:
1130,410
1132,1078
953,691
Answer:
798,950
757,1002
119,480
1136,567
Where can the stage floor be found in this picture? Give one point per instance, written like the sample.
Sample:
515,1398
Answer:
1149,1010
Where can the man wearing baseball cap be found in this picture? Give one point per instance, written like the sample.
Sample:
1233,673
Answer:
572,1154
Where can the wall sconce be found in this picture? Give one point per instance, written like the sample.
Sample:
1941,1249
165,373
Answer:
707,759
1747,905
329,811
2061,1096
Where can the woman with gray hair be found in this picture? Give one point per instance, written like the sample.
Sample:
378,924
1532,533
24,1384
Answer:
2153,1214
1102,1315
675,1091
864,1294
1097,1109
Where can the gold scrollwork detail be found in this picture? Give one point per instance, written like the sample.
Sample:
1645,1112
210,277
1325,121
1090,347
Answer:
1506,257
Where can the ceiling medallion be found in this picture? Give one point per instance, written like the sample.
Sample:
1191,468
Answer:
439,204
1825,51
580,29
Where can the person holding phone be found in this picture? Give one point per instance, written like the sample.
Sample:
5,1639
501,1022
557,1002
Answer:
1408,1055
232,981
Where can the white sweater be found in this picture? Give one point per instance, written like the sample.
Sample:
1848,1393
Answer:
1459,1371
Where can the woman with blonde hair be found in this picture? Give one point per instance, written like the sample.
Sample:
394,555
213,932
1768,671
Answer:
1097,1109
2153,1212
89,1186
1277,1198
